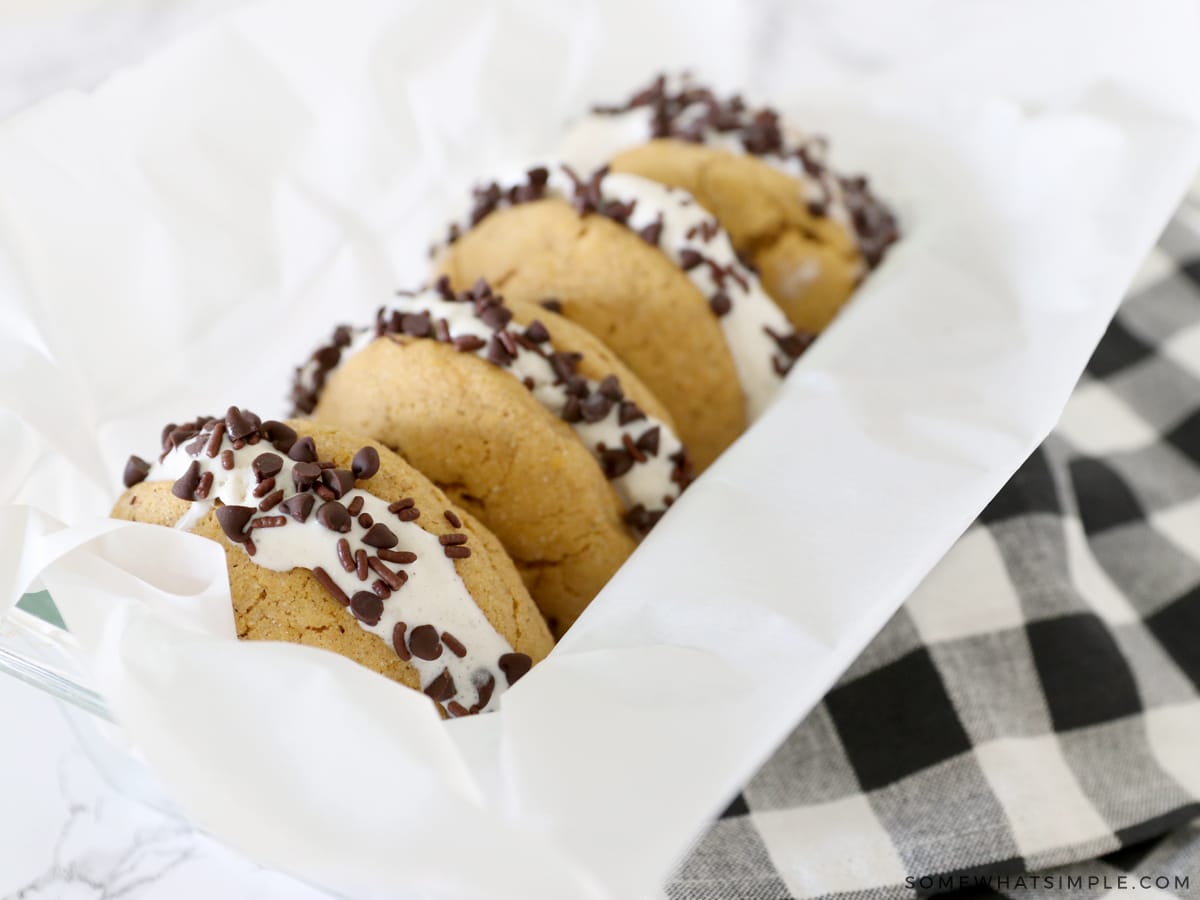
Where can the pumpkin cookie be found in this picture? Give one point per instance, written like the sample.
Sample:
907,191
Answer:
535,428
812,233
335,541
649,272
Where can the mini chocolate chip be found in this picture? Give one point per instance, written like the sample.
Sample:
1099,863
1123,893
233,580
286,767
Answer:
629,412
572,410
364,520
456,646
424,642
398,643
496,352
267,465
327,357
596,407
165,436
648,442
305,474
651,233
720,304
514,665
233,519
367,607
495,316
379,535
304,450
447,540
136,470
416,324
366,463
537,332
185,487
442,286
565,364
340,481
239,425
610,387
538,176
689,259
442,688
453,519
616,462
334,517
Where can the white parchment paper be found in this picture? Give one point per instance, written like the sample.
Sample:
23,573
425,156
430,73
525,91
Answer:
175,242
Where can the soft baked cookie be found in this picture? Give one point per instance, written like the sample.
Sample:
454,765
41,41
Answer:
536,429
651,274
811,233
335,541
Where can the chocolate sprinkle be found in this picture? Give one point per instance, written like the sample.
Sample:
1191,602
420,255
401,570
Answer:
453,519
456,646
367,607
408,514
398,643
555,306
344,555
136,470
457,551
298,507
272,500
227,459
403,557
233,519
394,580
424,642
514,665
449,540
366,463
328,583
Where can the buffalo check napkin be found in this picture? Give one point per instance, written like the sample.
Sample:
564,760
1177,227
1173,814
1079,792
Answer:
1028,724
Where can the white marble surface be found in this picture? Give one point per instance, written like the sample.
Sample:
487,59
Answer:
65,833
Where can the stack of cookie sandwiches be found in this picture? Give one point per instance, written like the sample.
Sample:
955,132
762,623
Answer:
470,468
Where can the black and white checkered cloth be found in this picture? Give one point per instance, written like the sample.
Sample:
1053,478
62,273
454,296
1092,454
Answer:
1029,722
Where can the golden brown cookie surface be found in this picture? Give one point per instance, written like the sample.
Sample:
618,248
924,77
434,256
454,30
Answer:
294,606
491,446
809,263
627,293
